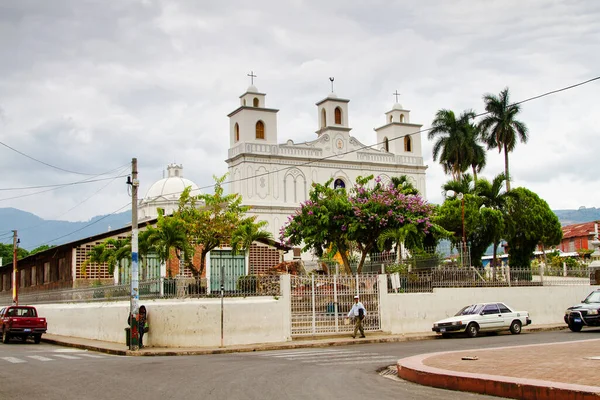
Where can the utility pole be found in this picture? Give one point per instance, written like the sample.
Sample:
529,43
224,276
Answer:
135,295
15,272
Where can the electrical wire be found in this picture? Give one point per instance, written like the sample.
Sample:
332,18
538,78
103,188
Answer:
83,227
63,184
392,139
75,206
50,165
57,188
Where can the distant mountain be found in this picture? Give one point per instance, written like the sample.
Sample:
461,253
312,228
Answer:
568,217
35,231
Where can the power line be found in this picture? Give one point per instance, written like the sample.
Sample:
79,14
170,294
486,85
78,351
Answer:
396,138
62,184
59,187
50,165
75,206
82,228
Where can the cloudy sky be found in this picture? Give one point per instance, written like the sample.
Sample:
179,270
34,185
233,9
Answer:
87,85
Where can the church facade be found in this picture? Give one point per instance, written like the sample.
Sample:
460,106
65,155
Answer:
275,178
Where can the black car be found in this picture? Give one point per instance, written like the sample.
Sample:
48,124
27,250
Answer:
584,314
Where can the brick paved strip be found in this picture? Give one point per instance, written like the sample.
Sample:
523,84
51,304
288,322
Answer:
414,369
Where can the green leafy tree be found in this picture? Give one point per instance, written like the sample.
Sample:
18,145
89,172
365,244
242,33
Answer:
210,219
321,223
529,221
41,248
403,184
331,219
500,127
6,253
377,207
457,144
406,236
495,198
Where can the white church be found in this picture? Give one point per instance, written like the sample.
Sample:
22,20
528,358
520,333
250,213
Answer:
274,178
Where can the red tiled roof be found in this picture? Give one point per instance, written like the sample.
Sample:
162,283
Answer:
578,230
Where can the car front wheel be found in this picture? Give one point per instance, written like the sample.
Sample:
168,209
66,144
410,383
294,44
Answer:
575,327
515,327
472,330
5,336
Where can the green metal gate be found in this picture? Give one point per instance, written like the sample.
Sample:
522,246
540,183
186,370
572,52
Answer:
232,266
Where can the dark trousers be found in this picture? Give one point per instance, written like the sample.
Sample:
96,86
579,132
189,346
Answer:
141,333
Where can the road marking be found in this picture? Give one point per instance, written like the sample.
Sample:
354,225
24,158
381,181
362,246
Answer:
340,356
307,353
91,355
40,358
68,351
14,360
383,360
360,359
67,357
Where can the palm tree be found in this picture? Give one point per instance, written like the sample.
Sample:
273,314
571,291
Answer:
456,137
500,128
403,184
169,234
477,154
406,236
493,197
464,184
110,252
247,233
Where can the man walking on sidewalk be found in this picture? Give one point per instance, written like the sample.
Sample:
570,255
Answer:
357,312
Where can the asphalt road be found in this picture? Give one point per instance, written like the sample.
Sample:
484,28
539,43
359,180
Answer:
44,371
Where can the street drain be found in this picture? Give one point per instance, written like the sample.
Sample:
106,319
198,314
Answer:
390,372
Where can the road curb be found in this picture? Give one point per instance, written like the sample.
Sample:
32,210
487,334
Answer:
414,370
295,344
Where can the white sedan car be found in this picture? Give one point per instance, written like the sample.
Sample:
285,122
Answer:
484,317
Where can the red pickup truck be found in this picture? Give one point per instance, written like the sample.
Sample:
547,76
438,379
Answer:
22,322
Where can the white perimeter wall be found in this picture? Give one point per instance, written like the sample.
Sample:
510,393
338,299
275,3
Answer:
196,322
179,323
416,312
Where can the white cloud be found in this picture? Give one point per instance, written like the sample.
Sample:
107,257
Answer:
87,86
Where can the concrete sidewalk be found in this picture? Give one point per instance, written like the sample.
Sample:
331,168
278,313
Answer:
305,342
324,341
557,371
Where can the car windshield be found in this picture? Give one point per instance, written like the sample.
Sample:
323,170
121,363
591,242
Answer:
469,310
594,297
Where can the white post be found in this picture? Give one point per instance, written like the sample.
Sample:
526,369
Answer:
335,302
564,268
314,311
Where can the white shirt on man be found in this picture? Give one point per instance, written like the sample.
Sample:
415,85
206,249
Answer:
354,310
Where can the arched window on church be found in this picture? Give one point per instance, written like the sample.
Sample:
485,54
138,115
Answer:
386,144
338,116
407,144
391,118
401,117
260,130
237,132
323,118
255,102
339,184
244,102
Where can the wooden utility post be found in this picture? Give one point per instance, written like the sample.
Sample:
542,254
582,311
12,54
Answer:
15,271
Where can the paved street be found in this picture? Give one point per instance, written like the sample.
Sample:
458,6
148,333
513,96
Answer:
51,372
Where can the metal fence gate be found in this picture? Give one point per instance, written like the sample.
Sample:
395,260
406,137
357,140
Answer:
233,266
320,303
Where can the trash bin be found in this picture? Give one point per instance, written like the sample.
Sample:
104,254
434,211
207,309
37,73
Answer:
128,337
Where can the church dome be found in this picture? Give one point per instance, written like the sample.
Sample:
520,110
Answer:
171,187
252,89
397,106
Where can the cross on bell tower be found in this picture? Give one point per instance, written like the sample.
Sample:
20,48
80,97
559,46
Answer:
252,76
396,94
